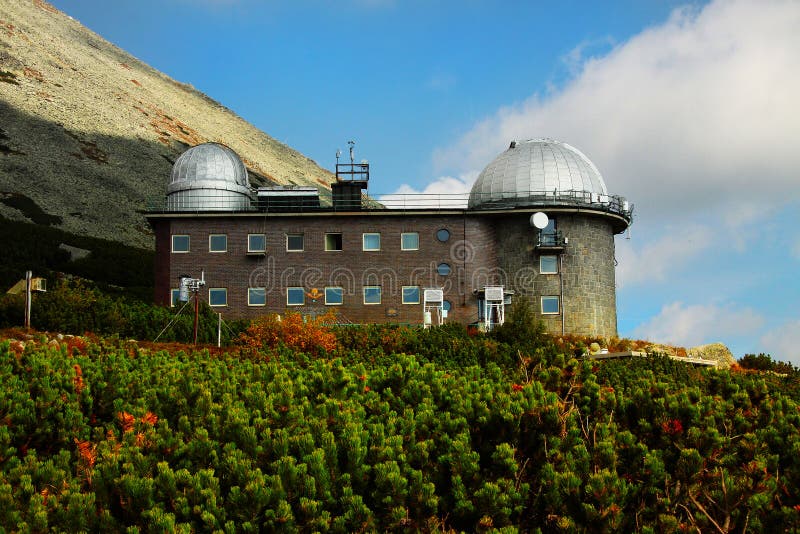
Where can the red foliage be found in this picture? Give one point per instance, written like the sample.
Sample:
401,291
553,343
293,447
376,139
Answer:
149,419
517,387
87,452
126,420
76,344
672,427
295,331
77,382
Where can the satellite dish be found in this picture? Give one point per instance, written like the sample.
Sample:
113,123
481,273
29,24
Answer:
539,220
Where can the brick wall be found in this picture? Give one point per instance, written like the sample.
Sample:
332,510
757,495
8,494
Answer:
469,252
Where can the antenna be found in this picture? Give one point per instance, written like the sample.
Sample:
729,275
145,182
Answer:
352,154
338,155
539,220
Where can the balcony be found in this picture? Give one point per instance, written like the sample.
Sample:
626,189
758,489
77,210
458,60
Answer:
551,242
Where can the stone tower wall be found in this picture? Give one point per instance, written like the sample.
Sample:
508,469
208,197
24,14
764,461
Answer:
588,302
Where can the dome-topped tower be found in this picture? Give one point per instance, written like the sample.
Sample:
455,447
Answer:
537,172
209,177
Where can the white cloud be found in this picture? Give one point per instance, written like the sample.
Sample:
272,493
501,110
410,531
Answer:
691,325
656,260
697,114
782,342
443,192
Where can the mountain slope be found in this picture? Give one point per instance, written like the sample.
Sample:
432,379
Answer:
88,133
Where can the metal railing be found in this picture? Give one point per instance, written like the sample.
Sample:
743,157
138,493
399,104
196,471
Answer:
210,202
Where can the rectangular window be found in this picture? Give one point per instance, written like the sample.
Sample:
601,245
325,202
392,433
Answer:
410,295
372,242
180,243
334,296
256,243
218,296
295,296
175,297
409,241
372,294
294,242
550,305
333,242
218,243
548,264
256,296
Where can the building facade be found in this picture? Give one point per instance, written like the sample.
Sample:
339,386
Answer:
538,223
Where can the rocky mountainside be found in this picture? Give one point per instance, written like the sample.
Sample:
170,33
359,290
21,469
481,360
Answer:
88,133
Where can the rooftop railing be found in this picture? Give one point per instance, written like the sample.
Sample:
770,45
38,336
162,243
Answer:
210,202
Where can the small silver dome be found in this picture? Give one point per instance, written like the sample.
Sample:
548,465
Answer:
209,177
531,172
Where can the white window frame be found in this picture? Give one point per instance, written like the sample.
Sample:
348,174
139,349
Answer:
402,240
249,301
364,241
188,244
212,251
558,303
302,236
341,243
380,295
225,289
302,291
541,268
403,295
253,250
341,292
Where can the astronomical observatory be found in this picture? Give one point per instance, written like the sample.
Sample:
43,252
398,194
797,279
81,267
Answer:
539,225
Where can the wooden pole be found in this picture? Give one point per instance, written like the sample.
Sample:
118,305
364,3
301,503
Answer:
28,282
196,313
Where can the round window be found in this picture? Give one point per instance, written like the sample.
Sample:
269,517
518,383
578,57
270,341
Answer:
446,305
443,235
443,269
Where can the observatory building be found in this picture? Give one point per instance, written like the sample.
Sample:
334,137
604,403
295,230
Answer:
539,225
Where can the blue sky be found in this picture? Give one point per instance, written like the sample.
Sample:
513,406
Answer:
689,110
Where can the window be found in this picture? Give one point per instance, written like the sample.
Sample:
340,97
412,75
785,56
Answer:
180,243
446,305
256,296
256,243
175,297
334,296
443,269
549,305
372,241
548,236
410,295
294,242
548,264
218,243
333,242
409,241
372,295
295,296
218,296
443,235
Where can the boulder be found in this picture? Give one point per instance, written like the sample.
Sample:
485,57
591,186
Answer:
714,351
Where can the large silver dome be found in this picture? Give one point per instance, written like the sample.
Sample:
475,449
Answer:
536,172
209,177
